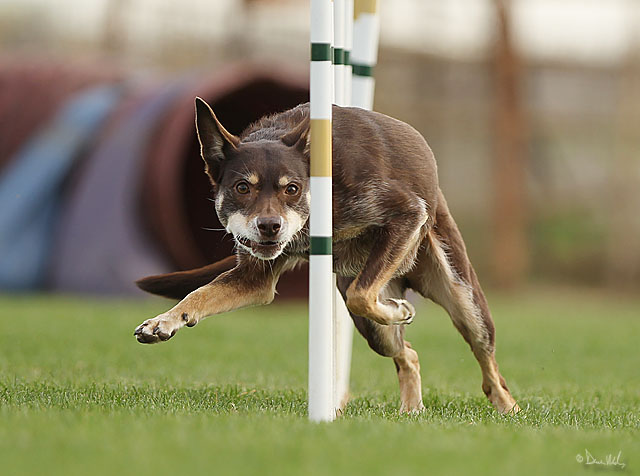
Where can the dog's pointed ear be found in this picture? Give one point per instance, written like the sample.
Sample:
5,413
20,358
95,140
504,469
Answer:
298,137
213,137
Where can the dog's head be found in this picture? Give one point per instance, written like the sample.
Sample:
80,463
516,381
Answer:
261,187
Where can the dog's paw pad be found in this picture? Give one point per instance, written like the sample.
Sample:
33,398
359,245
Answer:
406,311
405,322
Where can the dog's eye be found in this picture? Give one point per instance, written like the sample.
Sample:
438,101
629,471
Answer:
242,188
292,189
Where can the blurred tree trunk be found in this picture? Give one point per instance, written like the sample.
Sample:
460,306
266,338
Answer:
113,35
510,249
623,203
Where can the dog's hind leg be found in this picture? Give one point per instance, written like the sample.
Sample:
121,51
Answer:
445,275
388,341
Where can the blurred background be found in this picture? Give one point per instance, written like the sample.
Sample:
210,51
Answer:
532,108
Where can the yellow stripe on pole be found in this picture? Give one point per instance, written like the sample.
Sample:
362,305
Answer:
364,6
320,146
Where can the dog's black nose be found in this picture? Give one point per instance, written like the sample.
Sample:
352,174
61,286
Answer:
269,226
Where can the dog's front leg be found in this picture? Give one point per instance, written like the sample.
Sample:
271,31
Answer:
252,282
396,243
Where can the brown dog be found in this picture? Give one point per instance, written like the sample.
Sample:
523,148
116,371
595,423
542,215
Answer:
392,231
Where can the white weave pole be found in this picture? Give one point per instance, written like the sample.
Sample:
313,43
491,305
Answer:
321,279
343,326
339,31
343,74
356,54
364,56
348,46
360,40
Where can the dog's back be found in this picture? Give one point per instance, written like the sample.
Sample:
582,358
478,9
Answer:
372,147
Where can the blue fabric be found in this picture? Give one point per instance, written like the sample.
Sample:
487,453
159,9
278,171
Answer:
31,186
101,245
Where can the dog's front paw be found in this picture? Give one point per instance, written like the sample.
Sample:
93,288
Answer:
159,329
404,312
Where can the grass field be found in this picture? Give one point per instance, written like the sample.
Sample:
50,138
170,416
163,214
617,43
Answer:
78,394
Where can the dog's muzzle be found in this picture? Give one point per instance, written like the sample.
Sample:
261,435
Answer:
269,226
264,249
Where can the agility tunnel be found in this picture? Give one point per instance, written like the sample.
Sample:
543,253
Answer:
101,181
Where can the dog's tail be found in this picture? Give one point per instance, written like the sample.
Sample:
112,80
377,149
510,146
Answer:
178,285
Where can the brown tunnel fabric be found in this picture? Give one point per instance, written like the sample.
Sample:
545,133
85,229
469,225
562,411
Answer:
176,192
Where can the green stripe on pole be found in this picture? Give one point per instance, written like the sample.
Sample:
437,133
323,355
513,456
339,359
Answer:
347,57
362,70
321,52
338,56
320,245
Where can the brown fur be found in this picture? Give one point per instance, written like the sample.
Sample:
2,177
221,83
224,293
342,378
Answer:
392,232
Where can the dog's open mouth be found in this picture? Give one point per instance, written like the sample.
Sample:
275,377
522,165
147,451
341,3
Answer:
261,249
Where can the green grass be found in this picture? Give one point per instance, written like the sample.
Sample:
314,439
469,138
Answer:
79,395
